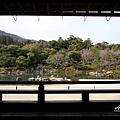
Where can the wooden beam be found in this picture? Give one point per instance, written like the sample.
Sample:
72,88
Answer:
101,8
34,7
89,4
21,8
0,96
41,94
62,8
6,7
115,6
48,8
75,6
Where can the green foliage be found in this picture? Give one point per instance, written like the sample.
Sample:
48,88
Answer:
6,40
21,62
75,56
59,54
87,44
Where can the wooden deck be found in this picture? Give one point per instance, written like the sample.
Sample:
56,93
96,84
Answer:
65,108
59,114
59,109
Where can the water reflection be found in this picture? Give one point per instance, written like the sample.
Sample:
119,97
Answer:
24,77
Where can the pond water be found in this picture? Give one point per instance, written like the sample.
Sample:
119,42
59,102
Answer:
12,77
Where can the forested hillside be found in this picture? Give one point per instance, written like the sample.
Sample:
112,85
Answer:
59,54
9,35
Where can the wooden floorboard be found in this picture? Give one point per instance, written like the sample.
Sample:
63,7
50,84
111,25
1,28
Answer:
67,114
59,114
50,114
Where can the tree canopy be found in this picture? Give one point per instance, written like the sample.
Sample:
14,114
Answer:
73,51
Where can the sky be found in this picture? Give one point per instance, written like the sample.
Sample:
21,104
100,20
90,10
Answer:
98,29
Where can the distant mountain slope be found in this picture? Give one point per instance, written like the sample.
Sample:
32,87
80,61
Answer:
15,37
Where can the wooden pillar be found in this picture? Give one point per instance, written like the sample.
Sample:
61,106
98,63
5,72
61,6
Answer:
41,94
85,97
0,96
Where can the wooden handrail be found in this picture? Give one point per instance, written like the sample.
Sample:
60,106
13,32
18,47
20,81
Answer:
60,91
19,91
41,91
82,91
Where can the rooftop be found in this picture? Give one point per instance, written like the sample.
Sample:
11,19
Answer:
60,8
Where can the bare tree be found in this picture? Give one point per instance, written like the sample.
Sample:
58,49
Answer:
87,56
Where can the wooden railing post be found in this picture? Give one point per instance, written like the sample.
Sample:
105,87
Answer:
85,97
0,96
41,94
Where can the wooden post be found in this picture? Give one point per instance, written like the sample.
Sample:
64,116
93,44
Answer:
41,94
85,97
0,96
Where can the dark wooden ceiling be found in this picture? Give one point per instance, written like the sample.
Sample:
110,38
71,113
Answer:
60,8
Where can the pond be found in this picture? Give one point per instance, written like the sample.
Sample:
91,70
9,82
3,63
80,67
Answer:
12,77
